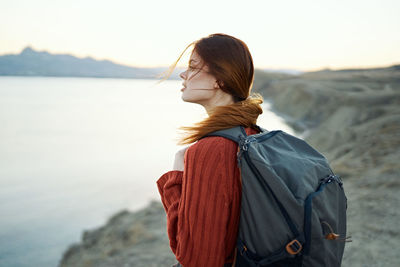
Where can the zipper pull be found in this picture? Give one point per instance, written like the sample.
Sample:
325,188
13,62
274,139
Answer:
245,144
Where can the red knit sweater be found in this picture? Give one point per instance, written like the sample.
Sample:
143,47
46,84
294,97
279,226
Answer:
202,203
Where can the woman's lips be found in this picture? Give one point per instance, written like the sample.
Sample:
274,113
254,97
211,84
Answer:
183,89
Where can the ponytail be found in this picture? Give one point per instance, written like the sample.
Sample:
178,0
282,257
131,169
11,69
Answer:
243,113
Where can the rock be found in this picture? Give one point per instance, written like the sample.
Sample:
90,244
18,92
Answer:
127,239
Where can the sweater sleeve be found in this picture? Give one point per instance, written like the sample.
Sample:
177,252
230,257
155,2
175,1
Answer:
169,186
198,209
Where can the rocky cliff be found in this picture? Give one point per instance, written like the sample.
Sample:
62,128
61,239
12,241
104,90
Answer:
127,239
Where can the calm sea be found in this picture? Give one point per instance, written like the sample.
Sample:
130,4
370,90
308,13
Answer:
73,151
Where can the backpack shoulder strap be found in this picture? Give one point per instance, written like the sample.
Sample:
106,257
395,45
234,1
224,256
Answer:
235,133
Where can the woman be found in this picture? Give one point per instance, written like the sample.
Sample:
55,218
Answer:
202,193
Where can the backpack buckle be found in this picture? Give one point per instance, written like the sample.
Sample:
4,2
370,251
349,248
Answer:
294,247
243,250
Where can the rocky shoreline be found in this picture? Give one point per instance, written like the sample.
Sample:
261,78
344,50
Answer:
127,239
351,116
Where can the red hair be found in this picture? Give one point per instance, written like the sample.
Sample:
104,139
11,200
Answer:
230,62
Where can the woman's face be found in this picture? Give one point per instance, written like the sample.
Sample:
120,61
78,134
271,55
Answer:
199,85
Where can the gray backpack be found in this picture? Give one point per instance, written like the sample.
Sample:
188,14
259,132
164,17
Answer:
293,209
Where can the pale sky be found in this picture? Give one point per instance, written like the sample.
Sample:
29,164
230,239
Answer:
303,35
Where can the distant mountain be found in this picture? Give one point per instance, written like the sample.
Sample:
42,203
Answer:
35,63
41,63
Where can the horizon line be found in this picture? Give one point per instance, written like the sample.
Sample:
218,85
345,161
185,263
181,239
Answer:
184,66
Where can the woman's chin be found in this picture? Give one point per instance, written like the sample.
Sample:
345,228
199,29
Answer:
193,99
188,99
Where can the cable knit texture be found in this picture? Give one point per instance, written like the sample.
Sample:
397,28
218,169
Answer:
202,203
